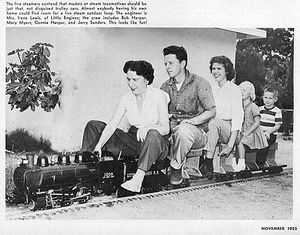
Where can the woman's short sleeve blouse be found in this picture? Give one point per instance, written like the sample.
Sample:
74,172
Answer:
149,114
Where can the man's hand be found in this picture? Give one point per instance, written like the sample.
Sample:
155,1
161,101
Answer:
142,133
226,151
189,121
98,153
267,134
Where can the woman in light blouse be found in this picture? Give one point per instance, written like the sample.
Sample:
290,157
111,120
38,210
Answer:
146,109
226,125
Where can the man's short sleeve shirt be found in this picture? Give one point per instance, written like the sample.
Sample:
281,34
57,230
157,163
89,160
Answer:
193,98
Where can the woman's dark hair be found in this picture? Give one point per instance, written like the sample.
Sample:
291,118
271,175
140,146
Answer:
230,71
180,53
142,68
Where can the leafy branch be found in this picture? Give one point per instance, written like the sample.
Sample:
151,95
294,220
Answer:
29,82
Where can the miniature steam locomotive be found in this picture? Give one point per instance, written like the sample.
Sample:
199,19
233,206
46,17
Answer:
49,185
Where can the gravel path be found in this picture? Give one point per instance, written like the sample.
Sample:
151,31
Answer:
264,199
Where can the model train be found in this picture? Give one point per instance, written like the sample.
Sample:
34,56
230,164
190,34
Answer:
60,183
53,184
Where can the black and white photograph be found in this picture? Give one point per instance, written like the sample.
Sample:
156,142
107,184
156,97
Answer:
178,126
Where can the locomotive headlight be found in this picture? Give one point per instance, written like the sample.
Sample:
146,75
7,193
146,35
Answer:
43,162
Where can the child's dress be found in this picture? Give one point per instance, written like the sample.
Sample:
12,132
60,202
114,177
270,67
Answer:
257,139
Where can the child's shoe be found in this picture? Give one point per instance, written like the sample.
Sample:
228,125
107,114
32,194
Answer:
241,166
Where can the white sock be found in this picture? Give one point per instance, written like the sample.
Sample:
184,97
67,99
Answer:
140,174
241,161
233,161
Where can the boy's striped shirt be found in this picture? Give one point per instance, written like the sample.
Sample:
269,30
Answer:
270,117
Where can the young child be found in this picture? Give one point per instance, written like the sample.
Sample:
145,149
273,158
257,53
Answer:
271,120
252,136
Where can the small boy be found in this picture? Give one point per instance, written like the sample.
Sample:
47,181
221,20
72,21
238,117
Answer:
270,122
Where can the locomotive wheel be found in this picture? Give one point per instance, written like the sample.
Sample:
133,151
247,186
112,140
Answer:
32,205
108,189
67,203
240,174
217,178
83,200
247,174
82,191
9,199
230,176
220,177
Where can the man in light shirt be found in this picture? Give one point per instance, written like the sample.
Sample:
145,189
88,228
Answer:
226,125
191,107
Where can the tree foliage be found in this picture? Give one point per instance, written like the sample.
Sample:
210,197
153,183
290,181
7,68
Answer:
29,83
250,67
268,61
21,140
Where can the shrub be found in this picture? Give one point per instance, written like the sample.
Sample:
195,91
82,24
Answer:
21,140
29,82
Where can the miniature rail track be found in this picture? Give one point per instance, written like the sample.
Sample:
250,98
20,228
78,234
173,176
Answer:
108,201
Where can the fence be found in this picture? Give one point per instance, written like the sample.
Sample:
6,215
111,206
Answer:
287,121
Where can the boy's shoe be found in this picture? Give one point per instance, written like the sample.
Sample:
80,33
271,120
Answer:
206,172
207,168
185,183
176,176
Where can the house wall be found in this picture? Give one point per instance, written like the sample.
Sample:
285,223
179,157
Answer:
90,63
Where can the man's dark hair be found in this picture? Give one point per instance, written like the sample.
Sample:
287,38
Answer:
230,71
180,53
142,68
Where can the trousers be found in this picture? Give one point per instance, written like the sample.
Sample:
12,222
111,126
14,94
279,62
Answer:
218,131
153,148
185,137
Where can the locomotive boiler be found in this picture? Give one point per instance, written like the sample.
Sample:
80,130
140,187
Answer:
50,184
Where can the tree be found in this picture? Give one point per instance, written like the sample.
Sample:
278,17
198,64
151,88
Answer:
21,140
29,83
275,53
250,67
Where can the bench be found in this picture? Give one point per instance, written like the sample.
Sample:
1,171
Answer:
270,159
224,164
192,163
